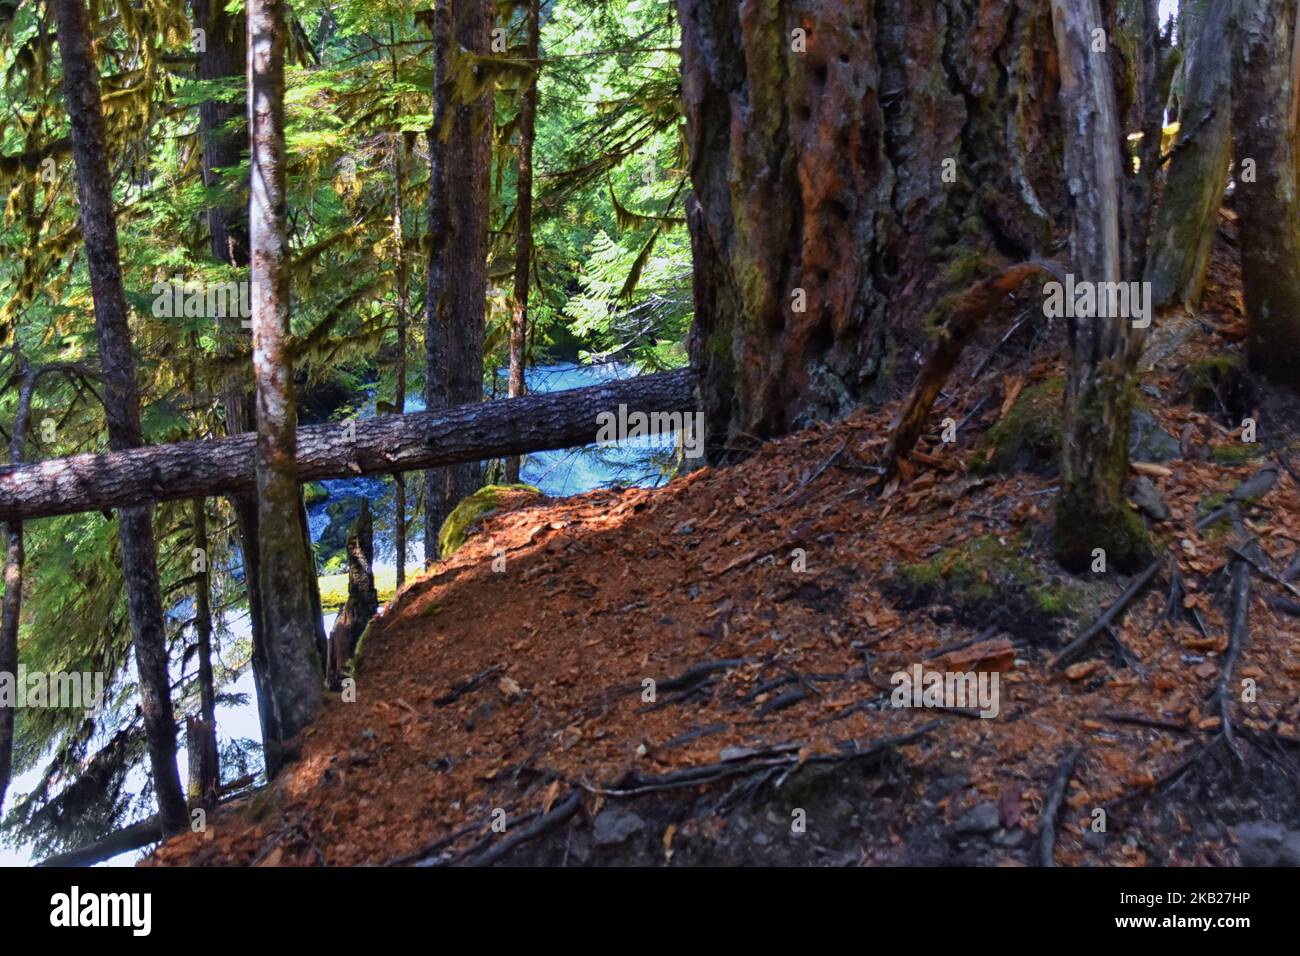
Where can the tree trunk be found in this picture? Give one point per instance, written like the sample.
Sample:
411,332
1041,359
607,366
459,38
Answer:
1266,192
245,505
379,446
845,157
399,373
201,732
524,223
12,606
460,148
435,339
122,403
224,56
287,575
1091,510
1198,170
363,601
10,617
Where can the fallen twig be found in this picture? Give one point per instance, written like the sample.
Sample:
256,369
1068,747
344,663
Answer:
1052,808
460,690
1139,583
1237,634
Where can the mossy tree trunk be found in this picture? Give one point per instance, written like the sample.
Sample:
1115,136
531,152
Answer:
460,153
1091,510
289,614
1198,170
121,400
852,163
1266,195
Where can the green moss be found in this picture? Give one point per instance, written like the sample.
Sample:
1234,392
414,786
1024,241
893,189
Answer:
466,514
1091,510
969,267
1028,438
355,663
334,588
1211,382
1236,454
938,317
1079,530
313,493
985,580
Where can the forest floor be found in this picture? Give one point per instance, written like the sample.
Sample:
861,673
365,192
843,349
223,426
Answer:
771,737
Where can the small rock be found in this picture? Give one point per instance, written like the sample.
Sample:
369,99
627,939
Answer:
1148,499
1010,838
1077,672
1148,441
613,826
1265,843
981,818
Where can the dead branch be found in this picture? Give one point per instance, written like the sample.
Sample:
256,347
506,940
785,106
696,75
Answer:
972,308
1108,618
1052,808
1237,635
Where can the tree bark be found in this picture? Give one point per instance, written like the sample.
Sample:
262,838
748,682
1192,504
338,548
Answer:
1198,170
524,223
844,157
223,137
222,57
122,403
363,600
12,606
1091,510
399,373
435,338
288,612
381,445
201,732
1266,194
460,148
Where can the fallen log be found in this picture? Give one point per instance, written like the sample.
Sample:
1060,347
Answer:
120,841
134,837
384,445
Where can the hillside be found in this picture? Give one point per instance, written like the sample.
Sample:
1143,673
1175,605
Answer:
523,689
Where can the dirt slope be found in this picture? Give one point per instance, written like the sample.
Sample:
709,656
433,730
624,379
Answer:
524,691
